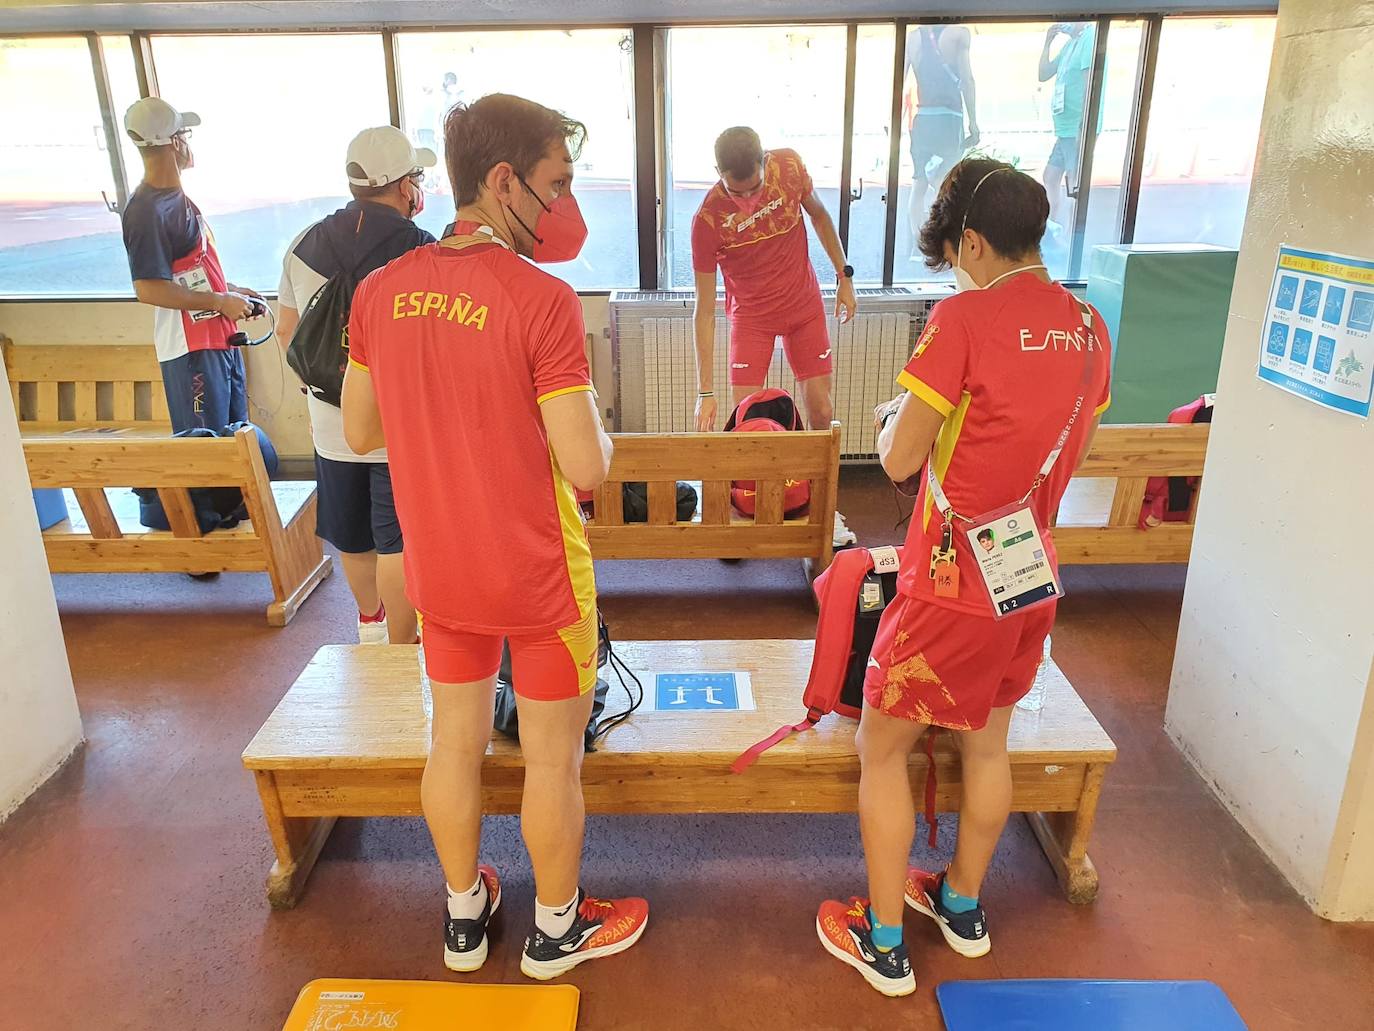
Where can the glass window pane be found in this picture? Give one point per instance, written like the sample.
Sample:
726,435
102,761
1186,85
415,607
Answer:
119,67
1110,159
440,68
1033,122
872,136
790,89
267,166
56,235
1204,127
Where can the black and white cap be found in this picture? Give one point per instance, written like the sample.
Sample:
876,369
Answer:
383,155
152,122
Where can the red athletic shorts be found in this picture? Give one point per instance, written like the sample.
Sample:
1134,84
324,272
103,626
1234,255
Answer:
951,669
806,343
544,667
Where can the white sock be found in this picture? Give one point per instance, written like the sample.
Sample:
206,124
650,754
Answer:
468,905
555,921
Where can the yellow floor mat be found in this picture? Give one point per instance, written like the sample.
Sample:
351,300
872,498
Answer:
338,1003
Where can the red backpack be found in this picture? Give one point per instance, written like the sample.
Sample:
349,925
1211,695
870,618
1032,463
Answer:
1169,499
852,595
764,411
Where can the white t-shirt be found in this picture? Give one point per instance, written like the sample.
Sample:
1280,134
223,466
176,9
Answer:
299,283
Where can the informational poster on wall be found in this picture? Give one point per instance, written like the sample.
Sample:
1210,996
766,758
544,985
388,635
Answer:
1319,330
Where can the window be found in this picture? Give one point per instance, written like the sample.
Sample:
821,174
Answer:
277,112
1029,119
56,235
586,74
1204,127
873,57
119,68
786,82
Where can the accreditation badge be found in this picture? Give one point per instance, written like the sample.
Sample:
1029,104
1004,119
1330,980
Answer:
1009,547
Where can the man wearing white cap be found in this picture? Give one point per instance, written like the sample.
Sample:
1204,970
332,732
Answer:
175,268
356,511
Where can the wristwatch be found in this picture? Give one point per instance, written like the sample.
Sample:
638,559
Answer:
846,273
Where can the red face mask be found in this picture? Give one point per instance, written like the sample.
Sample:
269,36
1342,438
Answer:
559,232
749,203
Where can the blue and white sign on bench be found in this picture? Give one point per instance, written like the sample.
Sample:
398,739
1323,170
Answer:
700,692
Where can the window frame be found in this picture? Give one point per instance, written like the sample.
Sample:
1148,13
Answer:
649,87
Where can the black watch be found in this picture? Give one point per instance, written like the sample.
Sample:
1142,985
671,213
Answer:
846,273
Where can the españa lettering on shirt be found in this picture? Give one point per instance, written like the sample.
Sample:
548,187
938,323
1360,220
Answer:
457,308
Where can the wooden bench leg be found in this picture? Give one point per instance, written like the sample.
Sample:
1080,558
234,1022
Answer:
302,566
1064,837
297,841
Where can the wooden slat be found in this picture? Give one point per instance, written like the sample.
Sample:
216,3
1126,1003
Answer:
95,508
715,502
662,502
160,414
694,540
181,513
1168,542
84,410
768,503
1147,450
46,406
608,504
720,456
163,553
133,462
1126,502
81,363
124,401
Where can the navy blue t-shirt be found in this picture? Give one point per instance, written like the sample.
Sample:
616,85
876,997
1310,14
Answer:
160,226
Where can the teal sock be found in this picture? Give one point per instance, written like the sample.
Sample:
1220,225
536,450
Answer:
953,901
886,937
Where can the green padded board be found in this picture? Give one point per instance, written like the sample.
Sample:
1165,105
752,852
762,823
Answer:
1165,306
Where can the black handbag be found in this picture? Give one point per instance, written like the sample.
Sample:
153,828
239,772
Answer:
507,716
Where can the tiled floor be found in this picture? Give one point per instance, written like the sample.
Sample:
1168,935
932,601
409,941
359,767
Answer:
131,887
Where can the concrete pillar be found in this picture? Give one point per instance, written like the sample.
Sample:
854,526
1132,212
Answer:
40,726
1272,697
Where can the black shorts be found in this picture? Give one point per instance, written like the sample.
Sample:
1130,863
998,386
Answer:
357,513
936,135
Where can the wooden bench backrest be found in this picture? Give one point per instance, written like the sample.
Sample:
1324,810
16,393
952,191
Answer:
104,386
89,464
1132,454
715,460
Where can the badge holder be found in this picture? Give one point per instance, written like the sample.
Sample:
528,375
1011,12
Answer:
1013,559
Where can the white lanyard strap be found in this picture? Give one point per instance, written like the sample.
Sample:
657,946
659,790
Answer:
937,492
490,233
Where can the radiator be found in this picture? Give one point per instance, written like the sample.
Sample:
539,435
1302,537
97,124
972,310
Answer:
655,360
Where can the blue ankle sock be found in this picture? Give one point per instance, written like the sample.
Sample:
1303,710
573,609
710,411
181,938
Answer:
886,937
953,901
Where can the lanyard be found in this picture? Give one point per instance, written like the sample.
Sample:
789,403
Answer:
937,492
490,233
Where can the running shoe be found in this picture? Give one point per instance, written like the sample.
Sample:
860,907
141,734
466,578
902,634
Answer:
844,930
465,941
602,927
965,933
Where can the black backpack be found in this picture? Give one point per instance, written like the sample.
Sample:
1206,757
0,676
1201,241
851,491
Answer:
318,352
217,508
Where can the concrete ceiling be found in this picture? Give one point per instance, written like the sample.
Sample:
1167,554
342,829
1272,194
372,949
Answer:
46,16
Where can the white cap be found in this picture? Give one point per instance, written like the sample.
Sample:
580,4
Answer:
152,122
383,155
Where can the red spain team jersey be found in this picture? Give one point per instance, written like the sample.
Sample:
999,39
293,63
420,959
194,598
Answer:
463,346
761,249
1004,367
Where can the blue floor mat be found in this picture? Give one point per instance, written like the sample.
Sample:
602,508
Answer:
1065,1005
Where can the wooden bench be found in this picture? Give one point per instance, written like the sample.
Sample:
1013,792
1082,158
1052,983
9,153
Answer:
63,387
350,738
717,530
103,535
1098,521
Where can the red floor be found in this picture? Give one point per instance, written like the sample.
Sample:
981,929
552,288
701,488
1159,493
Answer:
131,887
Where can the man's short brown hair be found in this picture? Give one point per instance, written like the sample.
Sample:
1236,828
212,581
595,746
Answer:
500,127
739,152
1009,209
